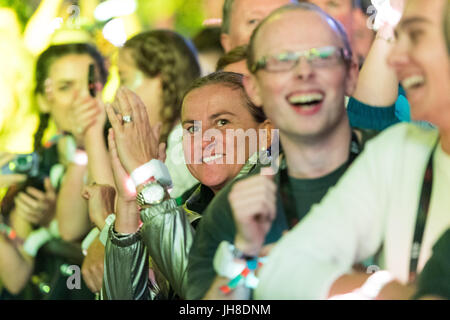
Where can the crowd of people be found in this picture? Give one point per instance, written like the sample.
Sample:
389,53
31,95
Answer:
312,164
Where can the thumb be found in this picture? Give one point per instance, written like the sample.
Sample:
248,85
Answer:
48,186
86,192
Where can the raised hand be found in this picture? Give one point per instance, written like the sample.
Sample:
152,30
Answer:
137,142
125,189
253,202
101,202
87,112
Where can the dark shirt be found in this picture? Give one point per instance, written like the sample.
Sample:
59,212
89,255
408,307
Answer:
217,223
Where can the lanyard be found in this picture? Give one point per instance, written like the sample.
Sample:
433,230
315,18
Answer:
422,215
287,199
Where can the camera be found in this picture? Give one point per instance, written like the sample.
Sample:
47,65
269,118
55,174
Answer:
27,164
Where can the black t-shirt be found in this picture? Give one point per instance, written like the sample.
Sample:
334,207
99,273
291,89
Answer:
307,192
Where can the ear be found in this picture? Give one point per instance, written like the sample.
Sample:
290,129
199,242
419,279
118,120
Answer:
252,89
43,103
268,126
225,41
352,78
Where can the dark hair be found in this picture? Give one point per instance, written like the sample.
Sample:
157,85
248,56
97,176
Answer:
237,54
305,6
43,64
208,39
173,58
234,81
55,52
226,16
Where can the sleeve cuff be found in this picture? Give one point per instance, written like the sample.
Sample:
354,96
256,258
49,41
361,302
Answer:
365,116
122,240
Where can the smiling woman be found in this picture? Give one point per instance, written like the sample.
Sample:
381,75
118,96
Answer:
211,124
219,102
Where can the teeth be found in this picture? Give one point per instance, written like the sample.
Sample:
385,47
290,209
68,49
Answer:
212,158
413,81
305,98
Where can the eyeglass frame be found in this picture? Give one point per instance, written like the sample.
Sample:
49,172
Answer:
345,54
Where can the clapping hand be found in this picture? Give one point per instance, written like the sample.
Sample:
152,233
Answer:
137,142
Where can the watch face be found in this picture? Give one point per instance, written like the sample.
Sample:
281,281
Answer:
153,193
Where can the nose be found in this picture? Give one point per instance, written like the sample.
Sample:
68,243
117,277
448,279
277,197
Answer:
208,142
303,69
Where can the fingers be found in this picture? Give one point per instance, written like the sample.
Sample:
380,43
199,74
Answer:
157,131
30,201
124,102
114,156
5,158
136,107
93,277
26,212
8,180
114,119
50,192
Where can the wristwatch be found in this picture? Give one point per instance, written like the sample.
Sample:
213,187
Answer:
152,193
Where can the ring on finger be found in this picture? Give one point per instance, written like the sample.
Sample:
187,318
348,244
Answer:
127,119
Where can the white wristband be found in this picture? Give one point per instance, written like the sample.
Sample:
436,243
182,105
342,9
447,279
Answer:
89,239
153,168
373,285
224,262
104,233
36,240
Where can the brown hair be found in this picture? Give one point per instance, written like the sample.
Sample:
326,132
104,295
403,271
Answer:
237,54
173,58
232,80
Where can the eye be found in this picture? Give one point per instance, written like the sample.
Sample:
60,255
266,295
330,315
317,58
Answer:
415,34
222,122
65,87
253,21
192,129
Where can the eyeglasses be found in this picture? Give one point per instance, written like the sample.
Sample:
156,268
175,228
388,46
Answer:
316,57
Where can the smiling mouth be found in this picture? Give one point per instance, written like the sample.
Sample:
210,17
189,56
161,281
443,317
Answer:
306,101
413,82
212,158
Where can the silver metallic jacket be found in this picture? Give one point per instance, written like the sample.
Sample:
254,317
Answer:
160,247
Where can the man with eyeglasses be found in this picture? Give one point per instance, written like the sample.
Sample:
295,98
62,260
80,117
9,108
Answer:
301,70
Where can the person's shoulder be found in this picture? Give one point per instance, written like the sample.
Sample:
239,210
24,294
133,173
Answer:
406,135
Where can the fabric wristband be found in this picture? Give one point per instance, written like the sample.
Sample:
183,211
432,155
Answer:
36,240
104,233
238,270
375,283
153,168
225,263
89,239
